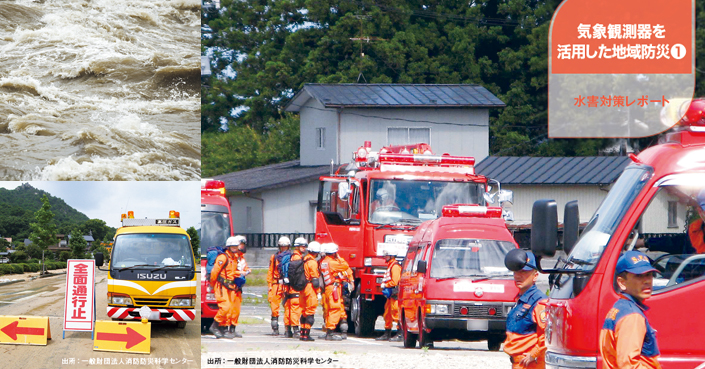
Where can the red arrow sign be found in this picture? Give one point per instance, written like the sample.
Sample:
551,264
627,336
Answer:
131,338
12,330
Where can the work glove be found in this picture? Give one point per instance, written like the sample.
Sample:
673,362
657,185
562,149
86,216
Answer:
241,264
351,287
319,297
383,285
286,280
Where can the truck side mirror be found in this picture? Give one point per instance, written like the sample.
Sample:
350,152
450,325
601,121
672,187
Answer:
344,190
505,196
99,259
421,267
571,226
544,228
515,260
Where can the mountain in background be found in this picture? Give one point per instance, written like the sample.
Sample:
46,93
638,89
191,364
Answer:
17,208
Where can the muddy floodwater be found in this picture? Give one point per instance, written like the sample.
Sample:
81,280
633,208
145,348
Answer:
100,90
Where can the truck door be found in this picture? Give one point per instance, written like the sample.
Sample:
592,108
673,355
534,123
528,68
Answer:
338,218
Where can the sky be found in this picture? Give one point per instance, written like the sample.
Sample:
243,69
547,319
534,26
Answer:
107,200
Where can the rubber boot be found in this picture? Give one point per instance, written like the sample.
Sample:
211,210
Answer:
344,330
397,337
305,335
386,336
235,334
323,334
216,330
297,332
275,326
229,332
287,332
331,336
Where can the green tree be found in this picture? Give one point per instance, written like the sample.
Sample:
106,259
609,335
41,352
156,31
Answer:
77,244
33,251
18,257
64,255
43,229
4,245
195,241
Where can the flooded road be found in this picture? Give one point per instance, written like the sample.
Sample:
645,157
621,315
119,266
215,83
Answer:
100,90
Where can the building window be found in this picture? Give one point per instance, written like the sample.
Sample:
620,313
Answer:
408,136
320,138
672,214
248,216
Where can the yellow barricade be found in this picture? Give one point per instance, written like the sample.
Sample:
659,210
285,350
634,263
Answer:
24,330
122,336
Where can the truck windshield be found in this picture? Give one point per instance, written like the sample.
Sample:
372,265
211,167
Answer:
215,228
597,233
417,201
149,250
455,258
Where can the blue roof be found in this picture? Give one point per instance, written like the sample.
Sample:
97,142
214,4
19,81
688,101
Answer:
395,96
553,170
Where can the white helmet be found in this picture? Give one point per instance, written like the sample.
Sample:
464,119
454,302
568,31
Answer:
284,241
300,242
332,248
314,247
235,240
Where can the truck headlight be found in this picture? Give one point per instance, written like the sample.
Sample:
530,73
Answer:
438,309
367,262
182,301
210,296
121,300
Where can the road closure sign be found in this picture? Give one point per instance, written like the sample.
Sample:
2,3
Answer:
24,330
79,305
122,336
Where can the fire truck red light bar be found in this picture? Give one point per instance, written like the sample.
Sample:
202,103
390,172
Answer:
426,159
214,185
471,211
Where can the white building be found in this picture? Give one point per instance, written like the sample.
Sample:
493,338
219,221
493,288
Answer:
335,121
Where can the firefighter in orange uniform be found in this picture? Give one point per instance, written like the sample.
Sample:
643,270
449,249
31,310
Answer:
526,322
308,296
331,268
227,277
696,229
292,304
276,282
627,340
389,282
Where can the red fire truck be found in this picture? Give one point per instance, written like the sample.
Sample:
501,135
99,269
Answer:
216,227
653,207
454,284
380,199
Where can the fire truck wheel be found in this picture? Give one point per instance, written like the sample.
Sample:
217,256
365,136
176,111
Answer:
363,314
494,343
409,338
424,339
181,325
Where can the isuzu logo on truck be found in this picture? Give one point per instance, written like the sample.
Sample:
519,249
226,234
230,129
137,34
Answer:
150,276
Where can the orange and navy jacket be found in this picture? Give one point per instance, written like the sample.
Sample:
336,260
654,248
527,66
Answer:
331,268
226,266
627,340
696,233
526,324
393,274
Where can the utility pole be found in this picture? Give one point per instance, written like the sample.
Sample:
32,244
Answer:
362,39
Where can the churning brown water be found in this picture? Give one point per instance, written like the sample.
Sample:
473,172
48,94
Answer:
100,90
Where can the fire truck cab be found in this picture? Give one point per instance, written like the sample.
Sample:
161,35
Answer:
151,265
656,206
216,227
381,198
454,284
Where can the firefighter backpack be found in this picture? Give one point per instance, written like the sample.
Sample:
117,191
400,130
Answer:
283,263
297,275
213,253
